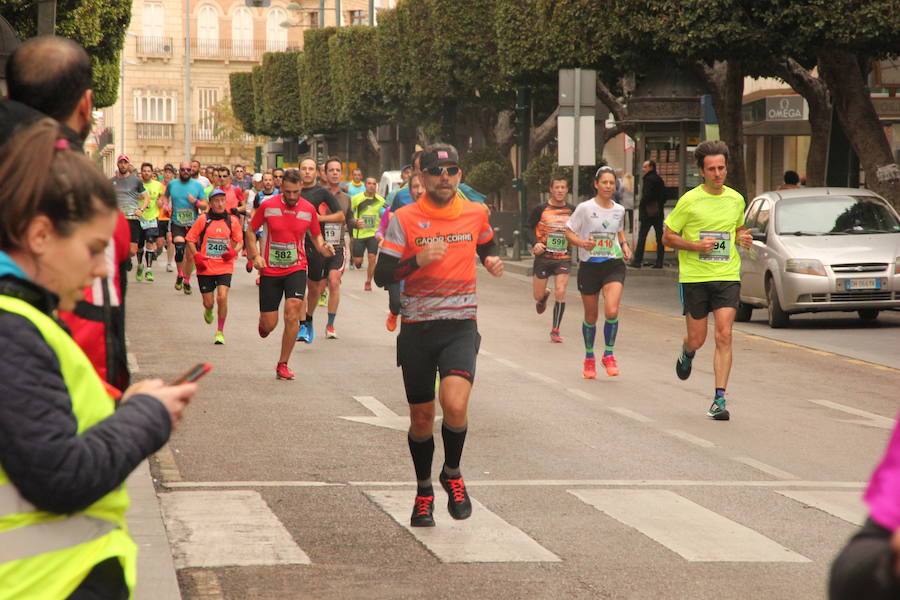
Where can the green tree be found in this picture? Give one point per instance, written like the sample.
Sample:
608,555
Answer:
315,71
280,104
357,100
242,100
98,25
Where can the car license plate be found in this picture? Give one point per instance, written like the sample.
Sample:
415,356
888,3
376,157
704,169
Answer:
870,283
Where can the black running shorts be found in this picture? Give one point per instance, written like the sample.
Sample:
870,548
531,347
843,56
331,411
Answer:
699,299
315,263
273,288
544,266
137,234
423,349
209,283
363,245
178,230
593,276
163,227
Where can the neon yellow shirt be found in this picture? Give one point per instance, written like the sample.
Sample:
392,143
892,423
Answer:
718,216
154,190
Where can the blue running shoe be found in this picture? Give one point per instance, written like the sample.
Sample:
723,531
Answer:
310,333
302,332
717,410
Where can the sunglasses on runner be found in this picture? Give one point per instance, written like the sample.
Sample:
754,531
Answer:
437,171
184,170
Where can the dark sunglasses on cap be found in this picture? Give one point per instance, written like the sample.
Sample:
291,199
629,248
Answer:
437,171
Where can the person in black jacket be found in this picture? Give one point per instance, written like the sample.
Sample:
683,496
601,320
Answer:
650,211
62,447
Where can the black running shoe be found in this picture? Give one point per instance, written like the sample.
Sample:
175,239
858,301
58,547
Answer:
717,411
422,512
458,504
683,366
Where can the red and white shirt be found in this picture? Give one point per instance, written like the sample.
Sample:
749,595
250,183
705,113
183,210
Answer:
283,230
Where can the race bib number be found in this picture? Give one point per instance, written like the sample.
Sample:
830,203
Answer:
216,247
184,216
282,255
369,221
604,244
721,251
557,242
147,224
332,233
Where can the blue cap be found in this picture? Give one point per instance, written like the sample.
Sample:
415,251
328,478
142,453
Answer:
216,192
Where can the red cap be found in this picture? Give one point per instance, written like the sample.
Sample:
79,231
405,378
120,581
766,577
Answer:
123,157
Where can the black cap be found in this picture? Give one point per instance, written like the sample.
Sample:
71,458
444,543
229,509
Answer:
438,155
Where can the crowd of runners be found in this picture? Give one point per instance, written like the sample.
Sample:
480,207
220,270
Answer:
300,228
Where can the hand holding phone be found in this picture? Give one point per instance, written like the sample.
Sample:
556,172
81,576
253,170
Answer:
192,374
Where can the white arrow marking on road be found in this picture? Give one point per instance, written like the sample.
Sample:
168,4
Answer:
384,416
686,528
868,419
483,537
848,506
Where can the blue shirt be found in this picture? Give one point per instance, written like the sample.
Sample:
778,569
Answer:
183,212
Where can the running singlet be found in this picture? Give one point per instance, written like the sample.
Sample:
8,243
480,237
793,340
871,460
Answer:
368,210
216,241
699,215
590,221
283,230
154,189
184,213
128,193
354,189
233,197
549,224
324,203
444,289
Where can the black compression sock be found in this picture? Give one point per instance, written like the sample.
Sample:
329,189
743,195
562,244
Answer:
454,440
558,309
422,452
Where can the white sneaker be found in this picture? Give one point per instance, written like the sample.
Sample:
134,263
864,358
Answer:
169,268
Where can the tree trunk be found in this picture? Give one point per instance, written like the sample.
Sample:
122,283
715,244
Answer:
725,83
504,131
814,90
856,113
542,134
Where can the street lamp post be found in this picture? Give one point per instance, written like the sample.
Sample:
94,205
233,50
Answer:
187,80
122,96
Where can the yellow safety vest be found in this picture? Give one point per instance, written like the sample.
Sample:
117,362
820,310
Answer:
44,555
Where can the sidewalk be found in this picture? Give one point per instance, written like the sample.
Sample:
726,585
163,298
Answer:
156,579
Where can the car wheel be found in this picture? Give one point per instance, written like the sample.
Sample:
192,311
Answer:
744,312
868,314
777,317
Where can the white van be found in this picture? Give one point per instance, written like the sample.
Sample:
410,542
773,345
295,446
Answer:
390,181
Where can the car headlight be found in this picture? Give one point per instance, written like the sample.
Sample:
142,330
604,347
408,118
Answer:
806,266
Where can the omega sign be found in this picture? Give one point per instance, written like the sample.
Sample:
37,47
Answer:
784,108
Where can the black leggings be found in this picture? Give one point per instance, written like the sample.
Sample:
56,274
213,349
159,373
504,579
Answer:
106,581
394,298
864,570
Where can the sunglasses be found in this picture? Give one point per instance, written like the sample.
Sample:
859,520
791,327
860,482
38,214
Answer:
437,171
184,170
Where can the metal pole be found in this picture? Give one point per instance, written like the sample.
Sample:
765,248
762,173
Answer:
321,13
122,101
371,12
187,80
576,161
46,20
337,13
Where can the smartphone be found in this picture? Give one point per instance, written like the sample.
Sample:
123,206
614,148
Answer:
192,374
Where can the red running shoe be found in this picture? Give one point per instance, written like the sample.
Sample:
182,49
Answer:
282,371
609,362
590,368
367,287
554,336
391,322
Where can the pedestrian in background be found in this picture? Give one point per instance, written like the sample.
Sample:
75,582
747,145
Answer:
650,213
791,181
65,451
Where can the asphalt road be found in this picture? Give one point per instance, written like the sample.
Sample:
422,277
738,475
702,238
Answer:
613,488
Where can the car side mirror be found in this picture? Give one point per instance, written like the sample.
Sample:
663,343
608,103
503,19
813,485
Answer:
757,235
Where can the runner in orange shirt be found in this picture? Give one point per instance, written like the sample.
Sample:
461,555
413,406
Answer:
430,246
215,240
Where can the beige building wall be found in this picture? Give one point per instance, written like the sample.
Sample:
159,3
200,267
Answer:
226,36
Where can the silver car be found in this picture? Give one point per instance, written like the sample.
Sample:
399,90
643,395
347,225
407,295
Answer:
820,249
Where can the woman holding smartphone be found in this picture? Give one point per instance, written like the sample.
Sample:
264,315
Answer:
65,450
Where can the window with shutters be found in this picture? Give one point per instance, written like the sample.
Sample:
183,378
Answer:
206,99
276,35
207,31
242,32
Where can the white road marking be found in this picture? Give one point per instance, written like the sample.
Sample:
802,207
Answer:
630,414
582,394
693,439
507,363
384,416
484,352
349,295
686,528
542,378
761,466
226,528
483,537
472,483
868,419
132,363
848,506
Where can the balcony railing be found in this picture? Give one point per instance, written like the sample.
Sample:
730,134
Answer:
200,133
149,46
249,50
155,131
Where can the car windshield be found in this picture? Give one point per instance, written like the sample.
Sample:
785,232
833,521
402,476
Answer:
834,215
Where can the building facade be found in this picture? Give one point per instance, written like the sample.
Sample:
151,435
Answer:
165,47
